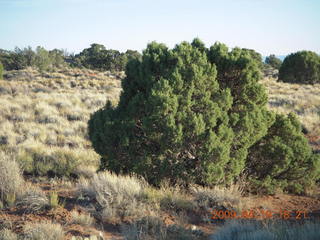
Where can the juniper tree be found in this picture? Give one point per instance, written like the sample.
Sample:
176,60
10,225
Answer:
301,67
283,159
273,61
172,119
249,117
187,113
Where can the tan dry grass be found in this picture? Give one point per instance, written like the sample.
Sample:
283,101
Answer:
48,112
303,99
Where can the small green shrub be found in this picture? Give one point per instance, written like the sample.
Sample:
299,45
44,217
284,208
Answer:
53,200
301,67
273,61
283,159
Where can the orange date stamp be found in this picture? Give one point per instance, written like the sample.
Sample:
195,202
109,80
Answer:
259,214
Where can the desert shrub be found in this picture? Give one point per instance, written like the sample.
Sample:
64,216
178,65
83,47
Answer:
99,58
116,196
243,230
7,234
273,61
53,199
301,67
65,161
81,219
85,171
33,200
217,198
43,231
184,113
1,71
154,228
283,159
11,180
35,160
40,160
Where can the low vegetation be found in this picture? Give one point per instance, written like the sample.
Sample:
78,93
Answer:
43,118
11,180
44,230
186,116
275,230
301,67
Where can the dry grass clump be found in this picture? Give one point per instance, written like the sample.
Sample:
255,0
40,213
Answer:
303,99
82,219
272,230
33,200
85,171
149,228
169,198
43,231
11,180
217,197
7,234
117,196
43,118
40,160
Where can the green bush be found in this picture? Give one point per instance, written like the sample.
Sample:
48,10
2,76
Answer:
1,71
283,159
185,113
273,61
99,58
40,58
191,113
239,71
301,67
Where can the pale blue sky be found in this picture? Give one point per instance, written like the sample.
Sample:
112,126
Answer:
268,26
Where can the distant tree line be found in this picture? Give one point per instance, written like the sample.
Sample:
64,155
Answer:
95,57
27,57
273,61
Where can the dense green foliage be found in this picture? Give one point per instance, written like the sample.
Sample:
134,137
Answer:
238,70
1,71
283,159
301,67
96,57
99,58
273,61
192,114
183,115
171,119
40,58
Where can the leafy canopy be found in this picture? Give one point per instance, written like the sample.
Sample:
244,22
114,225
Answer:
301,67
